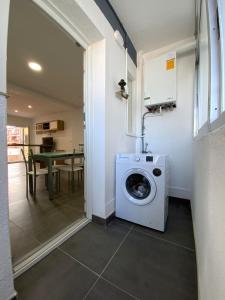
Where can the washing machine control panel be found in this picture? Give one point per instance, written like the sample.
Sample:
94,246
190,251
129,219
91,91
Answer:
149,158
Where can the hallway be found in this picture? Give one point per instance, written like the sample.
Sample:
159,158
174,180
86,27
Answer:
119,261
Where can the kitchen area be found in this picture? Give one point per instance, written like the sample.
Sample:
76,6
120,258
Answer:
45,131
46,182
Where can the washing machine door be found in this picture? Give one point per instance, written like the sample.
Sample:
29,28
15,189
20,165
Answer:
139,186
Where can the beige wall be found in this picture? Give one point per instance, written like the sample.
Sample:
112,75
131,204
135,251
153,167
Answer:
70,137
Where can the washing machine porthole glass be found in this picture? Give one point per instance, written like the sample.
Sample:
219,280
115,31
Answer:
138,186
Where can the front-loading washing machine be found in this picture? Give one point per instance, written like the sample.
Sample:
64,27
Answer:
142,189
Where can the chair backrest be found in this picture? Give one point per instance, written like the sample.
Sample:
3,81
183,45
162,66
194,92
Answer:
81,147
32,161
24,159
80,159
73,160
30,164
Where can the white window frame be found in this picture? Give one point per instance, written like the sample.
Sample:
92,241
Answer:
215,70
221,11
201,106
216,101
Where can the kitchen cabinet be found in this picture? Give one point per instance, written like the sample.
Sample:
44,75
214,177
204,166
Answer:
49,126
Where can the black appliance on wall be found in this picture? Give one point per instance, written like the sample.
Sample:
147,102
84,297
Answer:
47,144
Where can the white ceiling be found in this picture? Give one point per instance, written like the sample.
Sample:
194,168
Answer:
34,36
152,24
20,98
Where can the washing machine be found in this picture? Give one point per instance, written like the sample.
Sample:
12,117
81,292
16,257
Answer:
142,189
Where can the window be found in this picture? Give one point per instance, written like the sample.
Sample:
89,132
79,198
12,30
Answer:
215,59
20,136
210,101
221,18
203,68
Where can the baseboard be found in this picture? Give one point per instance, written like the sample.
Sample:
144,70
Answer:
179,192
103,221
180,201
13,296
110,207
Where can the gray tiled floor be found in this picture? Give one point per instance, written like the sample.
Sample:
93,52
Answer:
94,237
179,226
34,222
119,261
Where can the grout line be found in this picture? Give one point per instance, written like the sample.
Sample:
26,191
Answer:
121,243
164,240
109,261
119,288
91,288
76,260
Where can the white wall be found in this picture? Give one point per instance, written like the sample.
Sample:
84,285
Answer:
116,116
67,139
6,279
208,211
110,114
96,128
172,132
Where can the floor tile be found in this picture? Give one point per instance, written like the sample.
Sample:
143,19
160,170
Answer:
124,222
179,227
95,244
42,219
21,242
153,269
179,206
103,290
57,277
55,225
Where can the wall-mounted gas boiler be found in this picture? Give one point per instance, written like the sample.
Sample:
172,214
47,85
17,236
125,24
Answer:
160,81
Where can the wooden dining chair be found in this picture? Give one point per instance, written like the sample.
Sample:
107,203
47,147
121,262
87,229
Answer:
32,171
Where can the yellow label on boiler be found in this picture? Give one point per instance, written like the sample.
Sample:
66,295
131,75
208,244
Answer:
170,64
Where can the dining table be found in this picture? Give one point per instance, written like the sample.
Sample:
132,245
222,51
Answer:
49,158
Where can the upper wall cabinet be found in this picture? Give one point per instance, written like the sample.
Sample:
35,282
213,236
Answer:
160,79
49,126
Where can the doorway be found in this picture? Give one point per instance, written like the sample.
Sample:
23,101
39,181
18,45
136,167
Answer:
50,101
92,39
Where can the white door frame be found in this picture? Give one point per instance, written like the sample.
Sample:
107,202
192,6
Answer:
6,278
55,14
87,133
